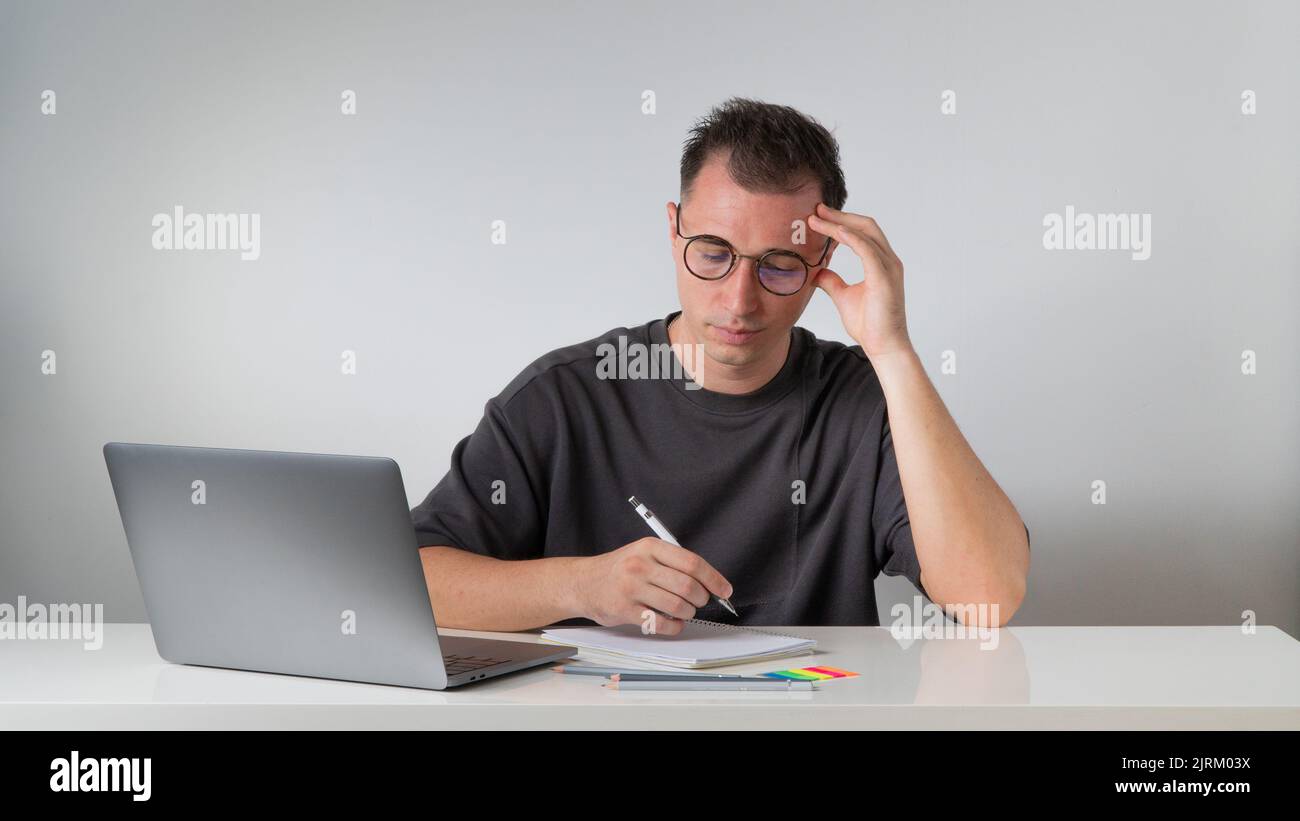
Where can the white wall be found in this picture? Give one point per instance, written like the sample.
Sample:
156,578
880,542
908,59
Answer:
375,236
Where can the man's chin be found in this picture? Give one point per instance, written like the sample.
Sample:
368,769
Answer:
732,355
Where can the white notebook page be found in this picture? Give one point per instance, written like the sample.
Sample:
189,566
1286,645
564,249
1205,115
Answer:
701,643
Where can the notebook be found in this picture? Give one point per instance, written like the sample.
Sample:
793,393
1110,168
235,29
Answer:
701,643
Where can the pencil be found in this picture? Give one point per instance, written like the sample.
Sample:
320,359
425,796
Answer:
676,677
591,670
722,686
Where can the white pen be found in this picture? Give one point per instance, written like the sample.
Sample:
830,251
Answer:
662,532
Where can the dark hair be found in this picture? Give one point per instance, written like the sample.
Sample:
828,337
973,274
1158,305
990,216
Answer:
773,149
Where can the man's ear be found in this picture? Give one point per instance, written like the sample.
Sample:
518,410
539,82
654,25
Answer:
672,221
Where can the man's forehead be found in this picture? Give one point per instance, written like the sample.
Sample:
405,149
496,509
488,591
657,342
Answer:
718,203
743,216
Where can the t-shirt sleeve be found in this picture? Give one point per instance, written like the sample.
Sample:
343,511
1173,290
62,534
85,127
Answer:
895,552
486,503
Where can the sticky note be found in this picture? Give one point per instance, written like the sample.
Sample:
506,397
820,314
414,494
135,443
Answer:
819,673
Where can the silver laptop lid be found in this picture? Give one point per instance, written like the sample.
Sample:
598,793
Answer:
280,562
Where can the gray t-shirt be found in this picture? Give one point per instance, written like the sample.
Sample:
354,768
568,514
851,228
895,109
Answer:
791,491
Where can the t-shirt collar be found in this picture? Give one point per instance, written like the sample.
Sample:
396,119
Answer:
778,386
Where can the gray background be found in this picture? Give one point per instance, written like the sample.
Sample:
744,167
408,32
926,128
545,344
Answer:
1072,366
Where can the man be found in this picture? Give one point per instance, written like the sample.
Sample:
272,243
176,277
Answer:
780,461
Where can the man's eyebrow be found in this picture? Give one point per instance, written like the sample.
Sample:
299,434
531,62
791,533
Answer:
812,246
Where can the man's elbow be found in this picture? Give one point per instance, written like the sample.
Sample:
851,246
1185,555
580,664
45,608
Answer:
1010,600
1017,584
1010,594
991,602
1007,592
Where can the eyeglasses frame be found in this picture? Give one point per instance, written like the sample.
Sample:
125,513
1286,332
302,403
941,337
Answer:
736,256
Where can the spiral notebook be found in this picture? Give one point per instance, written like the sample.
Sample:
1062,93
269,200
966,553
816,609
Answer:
701,643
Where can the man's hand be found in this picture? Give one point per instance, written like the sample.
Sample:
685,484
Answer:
871,310
648,574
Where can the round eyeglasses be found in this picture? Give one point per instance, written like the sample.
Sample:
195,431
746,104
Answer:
779,272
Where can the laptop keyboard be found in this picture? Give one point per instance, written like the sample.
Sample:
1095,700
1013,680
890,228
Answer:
464,664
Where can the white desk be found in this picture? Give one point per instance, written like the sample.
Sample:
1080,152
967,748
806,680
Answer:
1036,678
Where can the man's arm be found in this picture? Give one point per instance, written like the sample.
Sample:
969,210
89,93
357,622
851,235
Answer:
481,593
645,579
970,542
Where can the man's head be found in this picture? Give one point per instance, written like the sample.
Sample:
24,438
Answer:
751,171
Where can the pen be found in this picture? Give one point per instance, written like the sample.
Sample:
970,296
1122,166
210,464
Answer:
662,532
710,685
590,670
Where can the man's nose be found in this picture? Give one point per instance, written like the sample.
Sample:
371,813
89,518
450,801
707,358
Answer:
742,291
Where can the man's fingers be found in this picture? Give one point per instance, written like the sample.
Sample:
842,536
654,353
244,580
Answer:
679,558
662,625
863,245
679,584
859,222
670,604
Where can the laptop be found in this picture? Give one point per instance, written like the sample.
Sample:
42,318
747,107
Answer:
297,563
